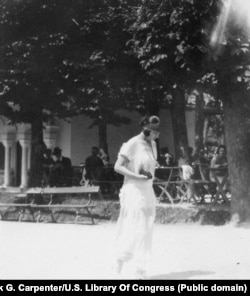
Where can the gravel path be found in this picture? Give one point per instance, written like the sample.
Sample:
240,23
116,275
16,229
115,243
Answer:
68,251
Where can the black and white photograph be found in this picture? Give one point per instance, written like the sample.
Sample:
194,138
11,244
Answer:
125,142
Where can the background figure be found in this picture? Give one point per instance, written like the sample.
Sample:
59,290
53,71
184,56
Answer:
62,171
48,164
93,165
212,152
184,162
137,161
219,161
165,159
191,155
103,156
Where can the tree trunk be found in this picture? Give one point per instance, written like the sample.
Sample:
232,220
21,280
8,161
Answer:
178,114
37,149
199,123
237,128
151,104
205,130
152,108
103,135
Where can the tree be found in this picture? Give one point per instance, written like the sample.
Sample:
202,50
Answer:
34,36
106,83
231,64
169,42
177,40
60,59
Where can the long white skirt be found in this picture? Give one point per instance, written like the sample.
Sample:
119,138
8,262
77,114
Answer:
135,223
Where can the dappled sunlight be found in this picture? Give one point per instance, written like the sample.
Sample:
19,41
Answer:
237,10
217,36
241,9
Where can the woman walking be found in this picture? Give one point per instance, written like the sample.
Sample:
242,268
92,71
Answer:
136,161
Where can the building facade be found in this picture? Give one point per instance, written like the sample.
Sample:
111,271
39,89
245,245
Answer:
75,138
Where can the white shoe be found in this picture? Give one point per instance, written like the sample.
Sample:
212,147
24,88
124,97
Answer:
118,266
141,274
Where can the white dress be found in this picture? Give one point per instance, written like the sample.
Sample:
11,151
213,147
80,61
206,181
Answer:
137,200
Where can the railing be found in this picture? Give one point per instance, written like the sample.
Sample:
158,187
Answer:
205,186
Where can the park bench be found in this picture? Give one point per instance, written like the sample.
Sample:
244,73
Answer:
22,207
34,200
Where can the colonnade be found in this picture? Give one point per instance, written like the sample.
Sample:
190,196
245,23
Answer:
9,141
26,149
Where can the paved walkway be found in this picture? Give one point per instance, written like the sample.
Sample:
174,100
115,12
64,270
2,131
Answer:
67,251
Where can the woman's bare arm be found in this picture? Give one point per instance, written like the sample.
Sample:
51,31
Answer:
120,167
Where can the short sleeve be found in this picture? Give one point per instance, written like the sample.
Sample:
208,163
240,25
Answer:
127,150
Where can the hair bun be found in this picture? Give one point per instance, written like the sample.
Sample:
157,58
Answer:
154,119
151,122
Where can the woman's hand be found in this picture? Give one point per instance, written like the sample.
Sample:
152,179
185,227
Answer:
121,168
146,173
157,179
142,177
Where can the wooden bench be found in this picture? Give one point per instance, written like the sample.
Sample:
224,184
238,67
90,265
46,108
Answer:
111,188
21,206
34,196
51,208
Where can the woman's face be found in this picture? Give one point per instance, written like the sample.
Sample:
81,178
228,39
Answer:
153,135
222,151
56,157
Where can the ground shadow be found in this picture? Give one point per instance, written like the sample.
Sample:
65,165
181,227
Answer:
180,275
245,225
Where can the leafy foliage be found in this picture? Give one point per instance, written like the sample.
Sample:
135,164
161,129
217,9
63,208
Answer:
105,81
60,59
32,56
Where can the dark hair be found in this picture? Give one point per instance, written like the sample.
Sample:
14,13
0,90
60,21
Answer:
48,151
146,132
57,151
149,120
223,147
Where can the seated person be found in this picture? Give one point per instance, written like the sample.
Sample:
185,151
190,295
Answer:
187,172
103,156
93,165
48,164
165,159
219,161
62,172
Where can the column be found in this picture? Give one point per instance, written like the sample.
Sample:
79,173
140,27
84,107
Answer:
29,155
7,157
24,172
